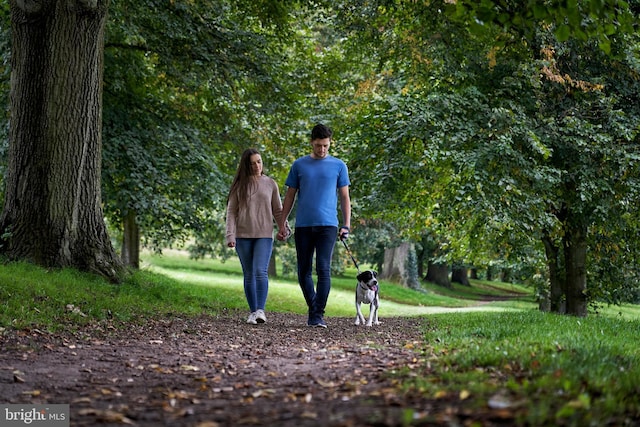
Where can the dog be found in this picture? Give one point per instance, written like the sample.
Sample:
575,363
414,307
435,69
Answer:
367,293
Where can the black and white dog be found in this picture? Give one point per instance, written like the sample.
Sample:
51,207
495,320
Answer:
367,293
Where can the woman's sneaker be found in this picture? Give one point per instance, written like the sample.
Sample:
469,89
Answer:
260,316
252,319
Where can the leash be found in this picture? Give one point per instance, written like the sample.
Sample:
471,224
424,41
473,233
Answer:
350,254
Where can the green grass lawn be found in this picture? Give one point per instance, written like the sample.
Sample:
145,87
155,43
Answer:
538,368
285,294
173,283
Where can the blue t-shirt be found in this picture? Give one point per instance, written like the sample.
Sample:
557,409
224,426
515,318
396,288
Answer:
317,181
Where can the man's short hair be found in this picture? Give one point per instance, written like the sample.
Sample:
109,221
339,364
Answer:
321,131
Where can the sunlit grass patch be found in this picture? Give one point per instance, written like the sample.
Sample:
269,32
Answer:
32,296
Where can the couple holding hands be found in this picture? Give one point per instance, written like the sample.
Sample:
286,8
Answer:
317,180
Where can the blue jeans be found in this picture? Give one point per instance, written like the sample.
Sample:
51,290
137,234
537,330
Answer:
320,240
254,257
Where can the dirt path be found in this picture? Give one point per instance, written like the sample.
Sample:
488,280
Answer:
219,371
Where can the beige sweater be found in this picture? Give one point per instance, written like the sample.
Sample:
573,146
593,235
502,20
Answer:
256,219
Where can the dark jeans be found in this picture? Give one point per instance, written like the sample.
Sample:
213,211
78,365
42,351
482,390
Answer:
320,240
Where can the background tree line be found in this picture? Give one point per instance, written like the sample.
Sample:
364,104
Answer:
496,138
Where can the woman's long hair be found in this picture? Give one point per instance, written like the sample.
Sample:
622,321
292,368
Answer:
242,182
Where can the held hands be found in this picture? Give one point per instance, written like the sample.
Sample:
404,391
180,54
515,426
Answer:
284,232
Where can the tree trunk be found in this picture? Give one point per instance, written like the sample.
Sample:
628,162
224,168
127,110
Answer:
271,270
556,279
506,275
421,257
52,214
459,275
395,263
575,255
131,241
489,273
438,274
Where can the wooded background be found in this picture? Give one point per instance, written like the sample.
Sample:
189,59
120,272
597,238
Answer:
496,138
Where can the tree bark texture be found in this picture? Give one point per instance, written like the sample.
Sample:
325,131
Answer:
575,254
272,271
395,264
438,274
459,274
53,208
556,278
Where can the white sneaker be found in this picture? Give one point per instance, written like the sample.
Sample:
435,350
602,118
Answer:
252,318
260,316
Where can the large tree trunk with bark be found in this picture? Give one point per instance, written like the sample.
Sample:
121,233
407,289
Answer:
575,255
53,209
395,263
459,274
271,269
557,287
131,241
490,273
438,273
421,256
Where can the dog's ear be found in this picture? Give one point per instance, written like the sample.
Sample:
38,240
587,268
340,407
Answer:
366,275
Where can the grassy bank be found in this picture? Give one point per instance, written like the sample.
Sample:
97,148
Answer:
541,369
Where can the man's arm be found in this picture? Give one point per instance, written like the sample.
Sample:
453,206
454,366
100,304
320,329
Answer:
345,206
287,205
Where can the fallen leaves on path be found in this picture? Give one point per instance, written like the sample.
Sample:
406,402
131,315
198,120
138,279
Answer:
220,371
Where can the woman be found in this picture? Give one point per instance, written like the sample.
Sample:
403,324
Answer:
253,204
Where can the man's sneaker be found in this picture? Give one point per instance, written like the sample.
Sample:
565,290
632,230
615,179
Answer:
260,316
317,322
321,323
252,319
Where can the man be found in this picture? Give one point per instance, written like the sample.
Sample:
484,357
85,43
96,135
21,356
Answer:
318,180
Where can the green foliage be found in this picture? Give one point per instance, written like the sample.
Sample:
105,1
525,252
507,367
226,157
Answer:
189,86
368,239
582,20
543,369
481,138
